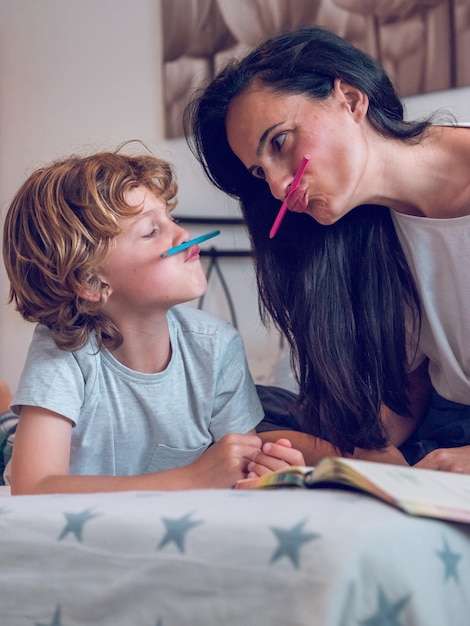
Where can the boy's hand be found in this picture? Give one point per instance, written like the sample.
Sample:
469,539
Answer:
274,456
225,461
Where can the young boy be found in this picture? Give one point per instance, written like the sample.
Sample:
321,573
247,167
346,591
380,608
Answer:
122,388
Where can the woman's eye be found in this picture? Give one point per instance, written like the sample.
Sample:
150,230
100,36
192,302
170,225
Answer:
258,172
278,141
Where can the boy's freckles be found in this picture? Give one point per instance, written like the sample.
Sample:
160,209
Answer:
139,278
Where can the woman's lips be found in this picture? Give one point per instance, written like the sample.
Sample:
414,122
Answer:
298,202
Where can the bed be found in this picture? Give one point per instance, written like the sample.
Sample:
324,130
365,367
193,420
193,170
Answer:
326,557
224,557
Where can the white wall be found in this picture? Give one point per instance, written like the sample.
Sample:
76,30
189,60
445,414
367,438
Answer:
453,101
80,74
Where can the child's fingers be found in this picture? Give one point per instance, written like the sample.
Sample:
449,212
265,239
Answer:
260,469
283,452
284,442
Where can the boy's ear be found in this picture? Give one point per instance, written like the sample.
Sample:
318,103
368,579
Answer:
88,294
93,295
357,100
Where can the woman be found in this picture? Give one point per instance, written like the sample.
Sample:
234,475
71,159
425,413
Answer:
373,292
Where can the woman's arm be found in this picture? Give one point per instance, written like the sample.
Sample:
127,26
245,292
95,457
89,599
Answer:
398,427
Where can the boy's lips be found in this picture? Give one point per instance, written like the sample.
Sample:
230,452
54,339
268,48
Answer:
193,252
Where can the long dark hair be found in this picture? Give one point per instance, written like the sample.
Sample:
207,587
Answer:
341,293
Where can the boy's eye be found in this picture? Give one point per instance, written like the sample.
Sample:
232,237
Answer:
151,234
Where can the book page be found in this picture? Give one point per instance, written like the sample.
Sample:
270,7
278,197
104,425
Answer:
408,484
417,491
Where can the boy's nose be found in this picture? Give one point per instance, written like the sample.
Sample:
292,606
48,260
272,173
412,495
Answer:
182,232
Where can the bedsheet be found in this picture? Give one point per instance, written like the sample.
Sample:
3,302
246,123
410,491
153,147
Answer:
228,558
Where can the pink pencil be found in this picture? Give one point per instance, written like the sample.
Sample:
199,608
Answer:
283,209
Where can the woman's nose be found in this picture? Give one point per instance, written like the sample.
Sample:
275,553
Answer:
279,186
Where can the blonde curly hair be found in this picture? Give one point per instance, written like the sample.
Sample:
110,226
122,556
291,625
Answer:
59,228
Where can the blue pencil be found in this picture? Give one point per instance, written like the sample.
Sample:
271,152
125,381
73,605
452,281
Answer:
191,242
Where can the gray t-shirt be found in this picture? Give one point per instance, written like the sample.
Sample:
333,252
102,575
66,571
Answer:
128,423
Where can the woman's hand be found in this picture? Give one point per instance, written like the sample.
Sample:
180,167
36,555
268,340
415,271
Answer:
274,456
447,460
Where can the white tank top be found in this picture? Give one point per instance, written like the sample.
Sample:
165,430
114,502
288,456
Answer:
438,253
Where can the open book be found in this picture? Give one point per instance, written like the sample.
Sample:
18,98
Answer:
429,493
